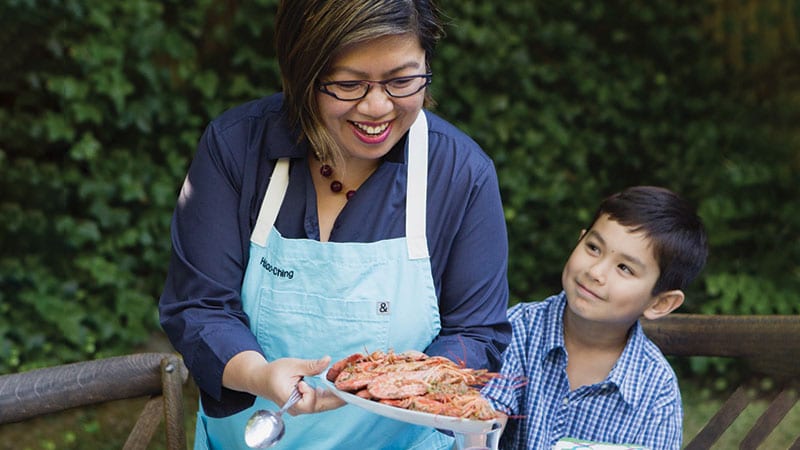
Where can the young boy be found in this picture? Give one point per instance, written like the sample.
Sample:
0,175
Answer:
589,372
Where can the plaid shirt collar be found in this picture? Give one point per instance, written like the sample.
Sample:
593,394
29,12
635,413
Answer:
622,375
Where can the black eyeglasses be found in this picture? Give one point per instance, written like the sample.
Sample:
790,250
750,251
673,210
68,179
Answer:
352,90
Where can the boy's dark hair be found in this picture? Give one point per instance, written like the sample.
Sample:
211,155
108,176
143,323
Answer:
676,233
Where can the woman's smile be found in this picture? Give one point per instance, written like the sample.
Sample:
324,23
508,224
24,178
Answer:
372,133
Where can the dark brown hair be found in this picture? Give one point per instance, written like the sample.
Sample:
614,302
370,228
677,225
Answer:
676,233
309,33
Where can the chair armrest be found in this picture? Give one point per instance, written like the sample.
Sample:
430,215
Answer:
41,391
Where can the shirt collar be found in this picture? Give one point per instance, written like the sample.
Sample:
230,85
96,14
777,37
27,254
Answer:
554,325
281,140
623,374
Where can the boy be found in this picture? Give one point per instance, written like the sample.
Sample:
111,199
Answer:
589,371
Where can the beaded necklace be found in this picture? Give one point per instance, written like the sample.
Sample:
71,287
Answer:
336,186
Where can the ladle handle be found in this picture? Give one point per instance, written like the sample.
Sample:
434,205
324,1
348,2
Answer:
293,398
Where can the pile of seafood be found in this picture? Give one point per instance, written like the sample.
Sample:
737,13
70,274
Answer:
415,381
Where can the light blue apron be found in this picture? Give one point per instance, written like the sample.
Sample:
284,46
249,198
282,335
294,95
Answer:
308,299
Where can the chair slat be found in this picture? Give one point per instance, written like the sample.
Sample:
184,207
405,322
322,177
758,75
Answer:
770,418
146,425
769,345
173,376
721,420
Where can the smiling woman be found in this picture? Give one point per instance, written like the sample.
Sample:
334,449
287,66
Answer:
336,216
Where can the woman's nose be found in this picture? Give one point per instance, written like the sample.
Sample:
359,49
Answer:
376,103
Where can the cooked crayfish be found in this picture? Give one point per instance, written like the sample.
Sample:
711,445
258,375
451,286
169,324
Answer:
415,381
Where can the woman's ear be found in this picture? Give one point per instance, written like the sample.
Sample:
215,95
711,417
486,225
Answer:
663,304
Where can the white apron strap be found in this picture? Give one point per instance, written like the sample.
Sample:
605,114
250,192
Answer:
416,193
272,202
417,188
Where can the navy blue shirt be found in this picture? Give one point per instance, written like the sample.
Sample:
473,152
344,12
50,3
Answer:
201,307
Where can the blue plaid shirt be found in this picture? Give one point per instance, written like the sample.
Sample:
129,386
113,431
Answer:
638,403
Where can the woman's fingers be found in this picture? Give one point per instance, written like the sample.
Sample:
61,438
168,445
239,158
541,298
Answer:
315,400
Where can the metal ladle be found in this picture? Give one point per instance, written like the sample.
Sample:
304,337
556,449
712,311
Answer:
265,428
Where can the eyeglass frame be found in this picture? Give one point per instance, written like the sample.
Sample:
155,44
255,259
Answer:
322,87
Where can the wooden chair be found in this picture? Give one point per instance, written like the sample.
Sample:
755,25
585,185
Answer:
158,375
770,345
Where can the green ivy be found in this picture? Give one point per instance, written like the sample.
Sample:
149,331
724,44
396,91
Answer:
102,104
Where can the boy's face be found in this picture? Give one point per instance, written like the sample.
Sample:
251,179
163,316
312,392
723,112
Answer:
610,275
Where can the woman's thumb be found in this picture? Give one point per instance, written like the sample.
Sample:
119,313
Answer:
317,366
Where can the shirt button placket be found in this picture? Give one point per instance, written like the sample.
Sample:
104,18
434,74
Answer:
560,424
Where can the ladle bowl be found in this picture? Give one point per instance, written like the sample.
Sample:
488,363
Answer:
265,428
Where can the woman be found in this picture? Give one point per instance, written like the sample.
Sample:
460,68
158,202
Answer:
334,218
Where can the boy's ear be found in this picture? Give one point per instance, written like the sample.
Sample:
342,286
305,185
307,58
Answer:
663,304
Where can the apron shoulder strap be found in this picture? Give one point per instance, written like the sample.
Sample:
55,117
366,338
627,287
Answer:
278,183
417,188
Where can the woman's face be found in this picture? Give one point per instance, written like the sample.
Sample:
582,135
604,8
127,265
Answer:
370,127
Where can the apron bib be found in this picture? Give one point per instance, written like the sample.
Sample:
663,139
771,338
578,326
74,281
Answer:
308,299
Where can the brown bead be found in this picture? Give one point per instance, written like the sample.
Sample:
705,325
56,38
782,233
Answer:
336,186
326,170
350,194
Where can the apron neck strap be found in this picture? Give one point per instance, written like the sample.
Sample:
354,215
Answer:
271,204
416,193
417,188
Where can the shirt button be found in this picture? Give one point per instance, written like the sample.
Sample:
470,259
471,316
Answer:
566,400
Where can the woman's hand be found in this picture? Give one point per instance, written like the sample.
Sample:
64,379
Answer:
315,399
250,372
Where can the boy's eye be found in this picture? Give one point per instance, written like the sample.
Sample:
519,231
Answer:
626,269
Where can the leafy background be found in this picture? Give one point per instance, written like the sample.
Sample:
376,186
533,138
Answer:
102,104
